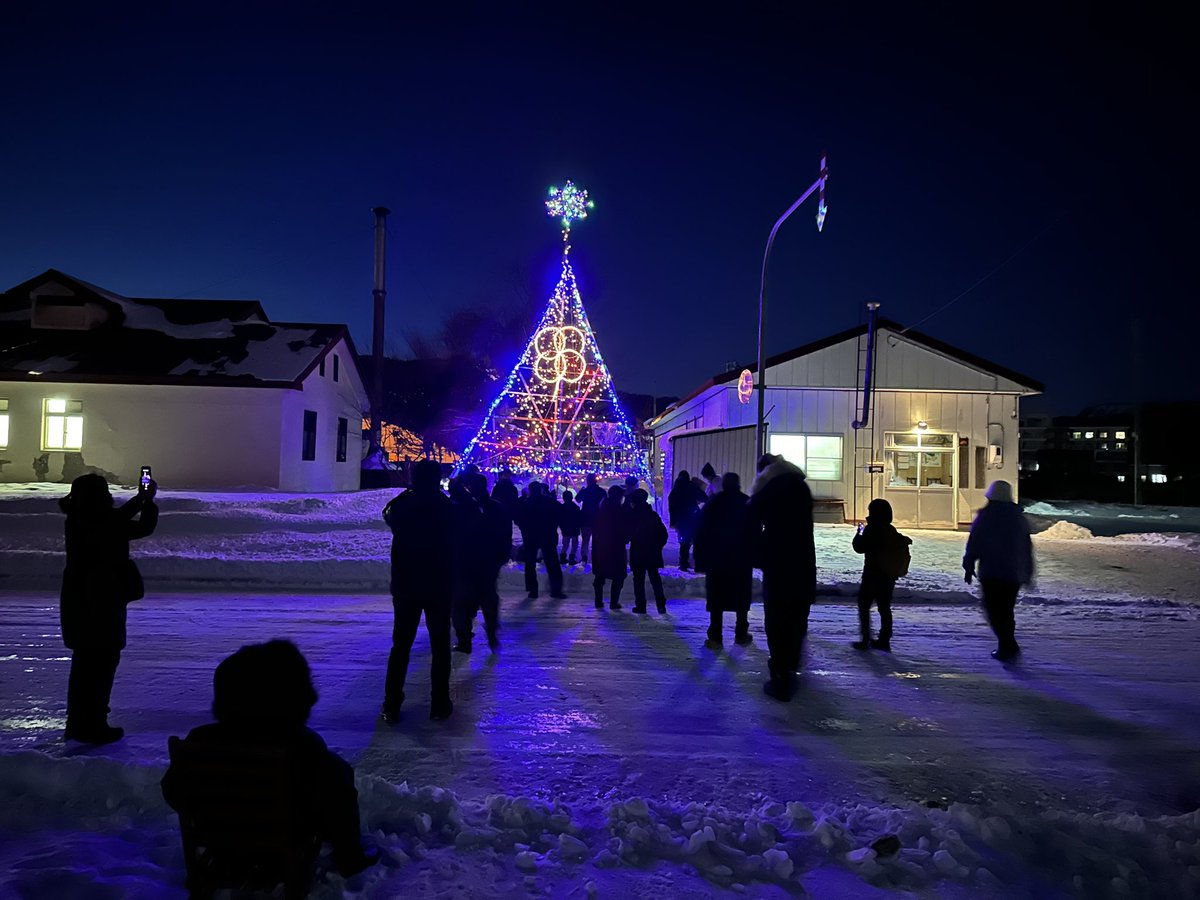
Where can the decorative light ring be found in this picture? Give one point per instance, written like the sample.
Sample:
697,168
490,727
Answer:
745,387
559,354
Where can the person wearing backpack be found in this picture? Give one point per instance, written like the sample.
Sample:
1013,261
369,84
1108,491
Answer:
885,558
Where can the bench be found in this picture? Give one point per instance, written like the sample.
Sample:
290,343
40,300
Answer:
829,511
240,822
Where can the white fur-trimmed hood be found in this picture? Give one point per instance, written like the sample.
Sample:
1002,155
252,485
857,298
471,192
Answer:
775,470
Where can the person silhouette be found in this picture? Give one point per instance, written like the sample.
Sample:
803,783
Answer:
1000,546
725,538
423,523
262,698
99,579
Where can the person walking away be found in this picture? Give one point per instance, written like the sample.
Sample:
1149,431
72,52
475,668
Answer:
1000,551
885,558
712,480
647,537
422,520
570,524
590,499
263,696
609,559
464,601
504,491
683,508
491,550
99,580
537,517
782,504
725,537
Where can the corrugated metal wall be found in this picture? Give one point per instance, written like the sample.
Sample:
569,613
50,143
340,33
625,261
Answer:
729,450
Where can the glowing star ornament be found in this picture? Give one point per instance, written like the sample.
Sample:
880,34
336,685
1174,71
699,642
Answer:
557,417
570,204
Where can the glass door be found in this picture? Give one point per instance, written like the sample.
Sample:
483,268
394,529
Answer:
920,473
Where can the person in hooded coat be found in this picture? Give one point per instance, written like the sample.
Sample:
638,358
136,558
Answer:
1000,551
782,504
262,698
570,519
468,527
683,507
647,537
99,579
609,559
877,541
423,522
725,539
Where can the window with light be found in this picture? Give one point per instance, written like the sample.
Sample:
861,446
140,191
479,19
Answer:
62,424
3,424
819,455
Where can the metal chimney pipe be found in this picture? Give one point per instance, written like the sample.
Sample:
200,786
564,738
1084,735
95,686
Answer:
866,407
380,295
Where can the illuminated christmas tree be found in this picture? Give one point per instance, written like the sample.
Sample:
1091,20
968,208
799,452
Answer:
558,415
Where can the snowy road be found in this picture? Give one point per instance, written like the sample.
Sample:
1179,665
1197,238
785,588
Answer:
592,709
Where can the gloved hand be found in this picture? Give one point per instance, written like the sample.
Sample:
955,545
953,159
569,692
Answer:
968,575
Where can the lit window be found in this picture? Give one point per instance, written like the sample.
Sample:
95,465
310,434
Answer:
1103,447
1121,478
820,456
62,424
1158,478
1120,445
1076,434
1104,434
3,424
1119,435
1089,434
309,451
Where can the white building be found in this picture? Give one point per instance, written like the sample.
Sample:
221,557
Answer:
210,393
940,425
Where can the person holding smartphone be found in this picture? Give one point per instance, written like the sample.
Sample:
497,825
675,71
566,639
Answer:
98,581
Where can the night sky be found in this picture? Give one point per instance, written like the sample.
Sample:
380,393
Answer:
230,154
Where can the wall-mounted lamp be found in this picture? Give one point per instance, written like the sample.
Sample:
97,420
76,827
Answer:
922,425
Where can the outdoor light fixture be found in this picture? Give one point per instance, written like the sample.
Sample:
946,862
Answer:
922,425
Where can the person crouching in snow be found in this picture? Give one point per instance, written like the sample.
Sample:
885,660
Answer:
98,581
1002,549
885,558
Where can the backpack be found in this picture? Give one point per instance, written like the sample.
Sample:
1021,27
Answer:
894,559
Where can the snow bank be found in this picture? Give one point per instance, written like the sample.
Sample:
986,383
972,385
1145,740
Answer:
1065,531
911,847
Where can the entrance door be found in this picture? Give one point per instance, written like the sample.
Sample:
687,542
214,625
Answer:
921,477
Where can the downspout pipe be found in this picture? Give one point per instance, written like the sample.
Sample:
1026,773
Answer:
866,407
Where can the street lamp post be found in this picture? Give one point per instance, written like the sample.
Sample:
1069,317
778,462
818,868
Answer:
818,185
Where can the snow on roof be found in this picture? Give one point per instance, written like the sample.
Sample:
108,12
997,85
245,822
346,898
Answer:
147,340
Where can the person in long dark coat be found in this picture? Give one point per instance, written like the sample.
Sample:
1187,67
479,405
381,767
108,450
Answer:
504,491
647,537
468,526
1000,547
537,517
262,697
782,503
876,542
589,499
489,547
725,539
99,579
610,562
422,520
683,507
570,519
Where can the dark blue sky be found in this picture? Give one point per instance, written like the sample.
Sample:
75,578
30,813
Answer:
233,154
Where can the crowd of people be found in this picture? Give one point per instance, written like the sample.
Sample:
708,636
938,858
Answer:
447,550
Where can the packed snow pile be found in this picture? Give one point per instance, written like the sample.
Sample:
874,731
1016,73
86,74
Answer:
911,847
1065,531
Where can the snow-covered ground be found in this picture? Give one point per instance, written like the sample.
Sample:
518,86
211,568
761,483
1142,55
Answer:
602,753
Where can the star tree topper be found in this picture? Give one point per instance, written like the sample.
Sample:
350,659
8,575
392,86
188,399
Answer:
569,204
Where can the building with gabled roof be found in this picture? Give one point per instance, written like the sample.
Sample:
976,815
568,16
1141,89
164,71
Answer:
211,393
938,426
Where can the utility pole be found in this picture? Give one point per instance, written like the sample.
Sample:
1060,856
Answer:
818,185
380,295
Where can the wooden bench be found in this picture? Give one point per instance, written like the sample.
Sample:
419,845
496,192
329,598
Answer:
829,511
240,821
